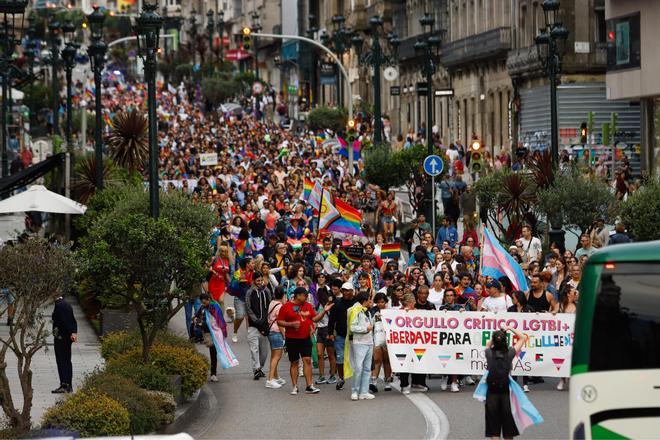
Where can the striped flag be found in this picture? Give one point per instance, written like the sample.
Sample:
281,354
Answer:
390,251
327,211
349,220
315,196
497,262
307,189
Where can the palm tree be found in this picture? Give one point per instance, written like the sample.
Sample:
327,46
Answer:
128,141
84,185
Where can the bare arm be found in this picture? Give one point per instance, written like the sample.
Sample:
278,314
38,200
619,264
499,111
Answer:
521,337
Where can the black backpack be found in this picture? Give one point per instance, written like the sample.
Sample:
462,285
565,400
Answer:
498,374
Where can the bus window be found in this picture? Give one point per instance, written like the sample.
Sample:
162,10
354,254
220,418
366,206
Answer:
626,323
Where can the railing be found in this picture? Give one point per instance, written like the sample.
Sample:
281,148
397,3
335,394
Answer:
477,47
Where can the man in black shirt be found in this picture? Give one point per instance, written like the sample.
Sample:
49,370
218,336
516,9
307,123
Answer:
422,299
257,226
65,332
337,326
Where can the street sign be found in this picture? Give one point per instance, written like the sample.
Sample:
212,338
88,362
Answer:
390,73
236,54
395,91
422,89
444,92
433,165
257,88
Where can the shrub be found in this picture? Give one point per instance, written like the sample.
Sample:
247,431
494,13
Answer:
185,362
90,413
146,415
641,212
326,117
116,343
147,376
166,405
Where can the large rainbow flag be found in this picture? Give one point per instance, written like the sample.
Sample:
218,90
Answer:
327,211
349,220
390,251
307,188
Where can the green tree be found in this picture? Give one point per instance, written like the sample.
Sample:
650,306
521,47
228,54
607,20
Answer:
641,212
134,260
577,202
217,90
323,117
35,272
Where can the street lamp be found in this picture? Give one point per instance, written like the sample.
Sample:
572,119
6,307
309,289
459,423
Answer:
96,51
375,57
193,34
9,9
210,26
340,42
221,32
69,54
549,38
54,34
148,26
165,19
31,51
256,27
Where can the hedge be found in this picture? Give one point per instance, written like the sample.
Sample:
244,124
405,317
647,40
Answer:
116,343
145,412
185,362
147,376
89,412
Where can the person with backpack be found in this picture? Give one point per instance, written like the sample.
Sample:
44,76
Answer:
499,358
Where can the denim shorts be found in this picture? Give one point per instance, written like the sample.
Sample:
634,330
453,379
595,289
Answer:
239,307
340,342
276,340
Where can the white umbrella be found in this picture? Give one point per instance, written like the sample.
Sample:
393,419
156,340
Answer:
17,94
38,198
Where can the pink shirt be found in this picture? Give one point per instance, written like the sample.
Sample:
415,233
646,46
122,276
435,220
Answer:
273,309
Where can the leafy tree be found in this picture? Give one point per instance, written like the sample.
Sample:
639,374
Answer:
577,202
641,212
323,117
134,260
128,140
217,90
35,272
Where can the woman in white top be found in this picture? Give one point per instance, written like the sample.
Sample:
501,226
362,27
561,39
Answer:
436,292
497,301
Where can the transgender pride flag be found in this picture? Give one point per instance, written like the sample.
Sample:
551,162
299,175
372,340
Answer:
496,262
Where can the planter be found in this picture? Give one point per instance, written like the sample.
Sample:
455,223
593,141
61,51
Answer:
113,320
177,392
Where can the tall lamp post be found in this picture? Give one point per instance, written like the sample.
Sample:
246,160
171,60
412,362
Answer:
256,27
427,47
54,34
148,26
69,54
221,33
340,41
31,51
193,34
376,58
210,27
96,52
9,9
549,38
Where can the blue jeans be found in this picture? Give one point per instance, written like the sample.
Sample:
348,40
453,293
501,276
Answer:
188,308
361,366
340,342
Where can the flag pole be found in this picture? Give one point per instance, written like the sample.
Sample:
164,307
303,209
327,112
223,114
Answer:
318,231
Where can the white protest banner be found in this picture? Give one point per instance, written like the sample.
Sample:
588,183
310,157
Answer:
441,342
207,159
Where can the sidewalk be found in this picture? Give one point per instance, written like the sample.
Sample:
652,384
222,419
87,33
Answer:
86,356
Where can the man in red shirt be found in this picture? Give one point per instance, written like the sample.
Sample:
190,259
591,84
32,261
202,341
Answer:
298,317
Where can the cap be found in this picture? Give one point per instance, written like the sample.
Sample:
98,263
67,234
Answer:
494,283
513,247
347,286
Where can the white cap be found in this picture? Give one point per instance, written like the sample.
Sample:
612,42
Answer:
347,286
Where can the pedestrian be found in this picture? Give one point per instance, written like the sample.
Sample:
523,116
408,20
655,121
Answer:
276,339
337,328
323,343
65,333
418,380
381,357
298,317
214,330
257,301
499,356
359,350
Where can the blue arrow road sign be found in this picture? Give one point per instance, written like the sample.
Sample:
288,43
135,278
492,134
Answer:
433,165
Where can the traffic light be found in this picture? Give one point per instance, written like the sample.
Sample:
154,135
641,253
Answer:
476,164
247,39
583,133
351,133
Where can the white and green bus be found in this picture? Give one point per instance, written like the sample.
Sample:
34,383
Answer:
615,373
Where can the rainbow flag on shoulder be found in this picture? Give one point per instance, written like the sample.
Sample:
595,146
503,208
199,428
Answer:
390,251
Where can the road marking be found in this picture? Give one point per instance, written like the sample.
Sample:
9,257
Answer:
437,423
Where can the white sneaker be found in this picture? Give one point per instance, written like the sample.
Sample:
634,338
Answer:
280,381
405,390
213,378
443,383
560,385
469,380
354,396
273,384
367,396
454,388
234,338
526,388
294,391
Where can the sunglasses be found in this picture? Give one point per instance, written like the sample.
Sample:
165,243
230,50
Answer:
398,289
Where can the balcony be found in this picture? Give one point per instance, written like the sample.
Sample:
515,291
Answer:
406,49
524,61
486,45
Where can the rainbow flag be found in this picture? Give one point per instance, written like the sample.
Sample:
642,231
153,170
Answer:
295,244
307,188
350,258
241,247
349,220
390,251
327,211
419,352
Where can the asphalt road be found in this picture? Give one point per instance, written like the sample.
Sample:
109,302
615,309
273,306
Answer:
247,410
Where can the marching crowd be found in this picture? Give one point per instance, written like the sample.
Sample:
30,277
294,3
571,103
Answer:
296,288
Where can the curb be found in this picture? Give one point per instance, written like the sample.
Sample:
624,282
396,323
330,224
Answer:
196,413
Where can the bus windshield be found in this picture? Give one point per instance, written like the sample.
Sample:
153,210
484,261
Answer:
626,323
